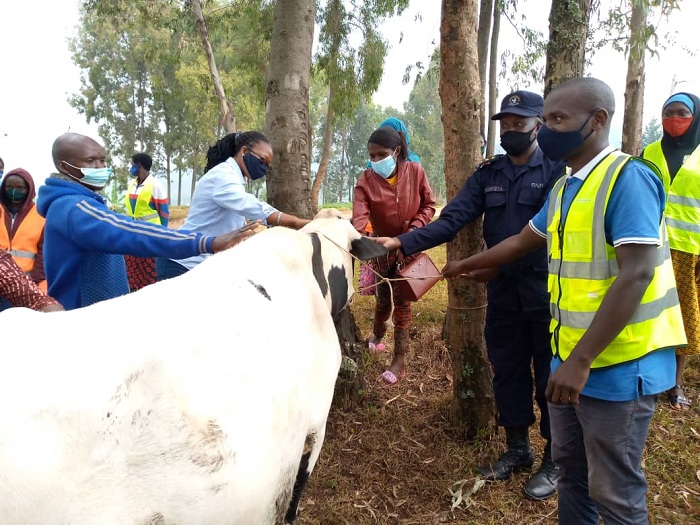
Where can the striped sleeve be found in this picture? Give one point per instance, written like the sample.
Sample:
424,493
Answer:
95,228
160,203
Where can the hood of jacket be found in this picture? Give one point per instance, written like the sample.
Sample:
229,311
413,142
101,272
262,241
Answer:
29,201
55,188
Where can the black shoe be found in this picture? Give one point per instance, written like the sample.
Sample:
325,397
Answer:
514,460
543,484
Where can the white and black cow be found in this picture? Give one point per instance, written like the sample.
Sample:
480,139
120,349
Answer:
196,401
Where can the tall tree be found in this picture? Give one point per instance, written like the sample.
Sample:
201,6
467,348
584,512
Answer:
568,32
493,77
651,132
287,106
460,92
228,116
640,31
352,71
423,116
483,37
631,23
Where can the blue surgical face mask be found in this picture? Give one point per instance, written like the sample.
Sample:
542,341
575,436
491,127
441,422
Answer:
385,167
256,167
95,178
134,170
558,145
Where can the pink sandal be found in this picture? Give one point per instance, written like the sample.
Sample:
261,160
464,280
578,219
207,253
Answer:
389,378
374,345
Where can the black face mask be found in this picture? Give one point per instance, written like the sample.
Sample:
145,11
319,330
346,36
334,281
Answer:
255,166
516,142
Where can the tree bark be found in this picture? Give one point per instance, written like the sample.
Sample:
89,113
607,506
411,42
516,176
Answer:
228,118
483,37
634,85
460,94
566,49
326,154
179,185
287,106
493,79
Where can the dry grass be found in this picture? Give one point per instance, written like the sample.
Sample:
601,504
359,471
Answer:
393,457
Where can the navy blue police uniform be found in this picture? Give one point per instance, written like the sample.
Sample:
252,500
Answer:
517,318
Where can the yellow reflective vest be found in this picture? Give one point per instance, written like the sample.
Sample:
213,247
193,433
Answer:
142,211
683,206
583,266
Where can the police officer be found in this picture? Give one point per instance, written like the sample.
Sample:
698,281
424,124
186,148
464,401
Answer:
509,190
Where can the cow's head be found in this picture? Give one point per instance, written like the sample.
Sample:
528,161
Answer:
334,240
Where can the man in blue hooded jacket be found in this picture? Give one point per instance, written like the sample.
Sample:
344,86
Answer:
84,241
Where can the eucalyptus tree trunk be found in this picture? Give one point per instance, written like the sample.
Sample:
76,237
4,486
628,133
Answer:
460,94
483,37
634,85
228,117
326,153
287,121
493,79
566,49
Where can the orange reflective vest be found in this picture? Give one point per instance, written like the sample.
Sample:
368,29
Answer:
24,245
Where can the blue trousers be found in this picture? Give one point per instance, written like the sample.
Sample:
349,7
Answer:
167,268
599,446
519,349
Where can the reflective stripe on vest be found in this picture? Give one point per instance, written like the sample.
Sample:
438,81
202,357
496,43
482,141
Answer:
143,211
683,201
583,267
25,243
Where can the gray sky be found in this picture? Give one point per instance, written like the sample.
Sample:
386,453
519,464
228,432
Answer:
38,74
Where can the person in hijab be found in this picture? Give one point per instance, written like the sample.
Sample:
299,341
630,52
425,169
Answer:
677,155
398,125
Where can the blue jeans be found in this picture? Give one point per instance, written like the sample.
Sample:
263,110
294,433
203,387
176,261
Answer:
599,444
167,269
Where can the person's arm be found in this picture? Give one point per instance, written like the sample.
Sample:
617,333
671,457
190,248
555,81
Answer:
279,218
467,205
37,274
636,264
360,206
95,228
20,290
160,202
508,250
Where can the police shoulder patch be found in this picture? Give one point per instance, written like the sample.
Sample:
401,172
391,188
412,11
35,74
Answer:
490,160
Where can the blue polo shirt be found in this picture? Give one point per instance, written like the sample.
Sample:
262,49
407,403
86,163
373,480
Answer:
507,196
633,215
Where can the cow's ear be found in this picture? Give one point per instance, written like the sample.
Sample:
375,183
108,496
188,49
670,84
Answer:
365,249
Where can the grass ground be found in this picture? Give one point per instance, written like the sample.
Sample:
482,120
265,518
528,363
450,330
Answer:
394,458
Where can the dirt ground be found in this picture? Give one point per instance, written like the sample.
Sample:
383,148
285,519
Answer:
394,457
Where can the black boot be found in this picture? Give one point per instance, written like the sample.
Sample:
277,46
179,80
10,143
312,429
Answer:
517,457
543,484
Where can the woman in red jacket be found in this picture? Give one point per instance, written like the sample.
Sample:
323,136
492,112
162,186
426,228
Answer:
395,196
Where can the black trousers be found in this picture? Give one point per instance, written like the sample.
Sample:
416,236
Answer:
518,346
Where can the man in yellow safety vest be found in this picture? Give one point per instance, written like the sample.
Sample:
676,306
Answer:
616,318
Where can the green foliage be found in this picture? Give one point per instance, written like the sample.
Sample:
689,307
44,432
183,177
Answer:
614,26
525,67
146,82
352,71
651,132
423,118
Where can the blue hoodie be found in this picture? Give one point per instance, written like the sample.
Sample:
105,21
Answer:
84,244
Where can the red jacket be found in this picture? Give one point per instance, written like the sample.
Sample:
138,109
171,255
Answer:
393,211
